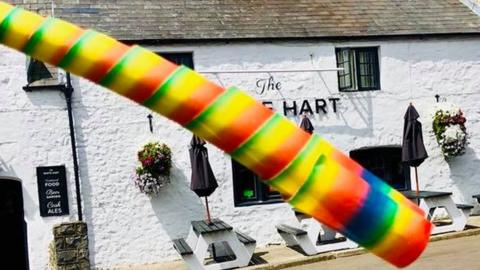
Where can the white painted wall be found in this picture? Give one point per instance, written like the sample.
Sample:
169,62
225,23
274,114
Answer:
126,227
474,5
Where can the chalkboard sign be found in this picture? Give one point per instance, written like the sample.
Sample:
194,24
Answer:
52,191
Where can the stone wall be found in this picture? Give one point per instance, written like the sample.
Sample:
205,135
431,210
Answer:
69,249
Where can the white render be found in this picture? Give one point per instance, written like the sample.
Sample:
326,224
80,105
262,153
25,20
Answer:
127,227
474,5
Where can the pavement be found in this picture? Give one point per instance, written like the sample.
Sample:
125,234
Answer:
457,250
454,254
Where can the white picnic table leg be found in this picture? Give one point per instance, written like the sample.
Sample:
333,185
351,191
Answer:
195,261
315,229
307,245
459,220
201,249
327,234
250,249
200,242
307,242
289,239
242,254
192,238
330,234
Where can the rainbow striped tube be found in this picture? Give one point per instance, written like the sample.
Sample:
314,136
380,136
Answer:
312,175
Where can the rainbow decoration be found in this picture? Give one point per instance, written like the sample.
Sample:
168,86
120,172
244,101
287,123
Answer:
311,174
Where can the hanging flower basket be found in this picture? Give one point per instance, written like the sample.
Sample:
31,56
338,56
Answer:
449,129
154,171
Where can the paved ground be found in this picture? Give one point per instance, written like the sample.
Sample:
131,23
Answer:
460,253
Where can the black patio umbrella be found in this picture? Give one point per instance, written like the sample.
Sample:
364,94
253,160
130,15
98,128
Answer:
306,125
203,181
413,149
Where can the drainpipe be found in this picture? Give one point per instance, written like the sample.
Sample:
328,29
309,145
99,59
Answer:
68,97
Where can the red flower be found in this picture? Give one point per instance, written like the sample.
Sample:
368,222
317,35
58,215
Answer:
148,161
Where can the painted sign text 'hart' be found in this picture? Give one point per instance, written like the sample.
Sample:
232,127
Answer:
294,107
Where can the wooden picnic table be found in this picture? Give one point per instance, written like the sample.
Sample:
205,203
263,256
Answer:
312,236
431,200
204,234
216,225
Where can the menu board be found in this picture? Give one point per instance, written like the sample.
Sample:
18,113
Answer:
52,191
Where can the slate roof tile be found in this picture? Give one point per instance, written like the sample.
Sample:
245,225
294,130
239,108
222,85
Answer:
240,19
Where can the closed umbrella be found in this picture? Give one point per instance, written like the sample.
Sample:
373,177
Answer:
413,149
203,181
306,125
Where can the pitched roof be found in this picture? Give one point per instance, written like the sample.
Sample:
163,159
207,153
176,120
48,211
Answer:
258,19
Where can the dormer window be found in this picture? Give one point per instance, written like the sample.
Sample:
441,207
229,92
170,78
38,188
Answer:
41,74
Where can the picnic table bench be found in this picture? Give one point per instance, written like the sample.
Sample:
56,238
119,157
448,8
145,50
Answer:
431,200
477,197
203,234
312,236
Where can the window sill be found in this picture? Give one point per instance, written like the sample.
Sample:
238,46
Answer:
252,203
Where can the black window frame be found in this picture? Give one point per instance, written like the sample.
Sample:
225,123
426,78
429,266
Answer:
354,69
391,155
262,195
179,58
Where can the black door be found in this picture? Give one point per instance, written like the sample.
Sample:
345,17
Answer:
12,225
386,163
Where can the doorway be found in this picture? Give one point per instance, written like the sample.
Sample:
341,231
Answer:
13,228
386,163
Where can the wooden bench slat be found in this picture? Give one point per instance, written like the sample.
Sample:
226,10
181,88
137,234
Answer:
332,241
218,225
464,206
182,247
412,194
186,247
197,226
202,227
224,225
245,239
208,227
299,213
291,230
213,227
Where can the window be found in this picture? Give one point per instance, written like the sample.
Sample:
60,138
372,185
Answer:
179,58
386,163
248,189
360,69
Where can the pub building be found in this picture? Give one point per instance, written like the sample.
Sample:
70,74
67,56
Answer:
352,68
